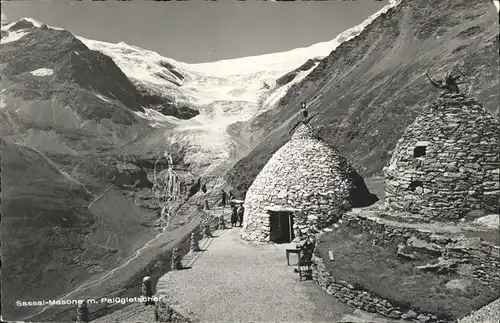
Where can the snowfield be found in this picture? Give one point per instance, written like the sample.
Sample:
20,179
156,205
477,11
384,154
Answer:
42,72
13,36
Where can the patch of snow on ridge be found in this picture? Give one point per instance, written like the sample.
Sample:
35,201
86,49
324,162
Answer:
102,97
42,72
159,119
13,36
18,34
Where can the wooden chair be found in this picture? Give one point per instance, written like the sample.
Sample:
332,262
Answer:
305,261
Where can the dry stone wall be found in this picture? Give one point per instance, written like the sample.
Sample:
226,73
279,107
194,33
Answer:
165,312
447,162
383,232
357,297
307,175
482,256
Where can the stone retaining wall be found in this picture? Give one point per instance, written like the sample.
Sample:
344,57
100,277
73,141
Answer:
382,231
165,310
173,313
483,257
356,297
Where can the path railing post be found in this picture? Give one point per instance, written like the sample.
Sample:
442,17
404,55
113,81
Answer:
82,312
194,247
221,224
206,231
147,290
176,260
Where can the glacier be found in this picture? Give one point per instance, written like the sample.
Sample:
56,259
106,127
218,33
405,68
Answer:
225,92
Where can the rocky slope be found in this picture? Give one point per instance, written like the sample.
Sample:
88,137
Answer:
76,200
366,92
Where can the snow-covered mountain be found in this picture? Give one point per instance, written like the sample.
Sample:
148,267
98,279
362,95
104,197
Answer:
224,92
212,86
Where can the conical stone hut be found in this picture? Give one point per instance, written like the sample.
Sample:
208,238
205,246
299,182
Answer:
446,164
306,185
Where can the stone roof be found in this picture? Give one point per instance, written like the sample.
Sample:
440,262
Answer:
305,174
303,131
447,162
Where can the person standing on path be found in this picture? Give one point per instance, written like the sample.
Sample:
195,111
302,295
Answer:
234,216
241,210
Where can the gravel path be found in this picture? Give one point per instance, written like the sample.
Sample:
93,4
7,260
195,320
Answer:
486,314
233,281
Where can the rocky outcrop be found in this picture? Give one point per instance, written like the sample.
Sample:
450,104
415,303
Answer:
131,175
21,24
446,164
306,176
287,78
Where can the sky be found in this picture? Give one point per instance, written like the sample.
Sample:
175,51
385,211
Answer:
200,31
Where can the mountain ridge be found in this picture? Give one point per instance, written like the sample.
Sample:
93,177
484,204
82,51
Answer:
356,94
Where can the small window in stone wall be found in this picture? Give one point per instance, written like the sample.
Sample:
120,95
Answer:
416,186
419,151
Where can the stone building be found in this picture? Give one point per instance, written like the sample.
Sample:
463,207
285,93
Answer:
305,186
447,162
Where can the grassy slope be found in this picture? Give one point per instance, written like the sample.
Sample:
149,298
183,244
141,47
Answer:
53,240
379,271
45,221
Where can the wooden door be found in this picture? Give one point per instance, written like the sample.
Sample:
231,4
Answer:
281,227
